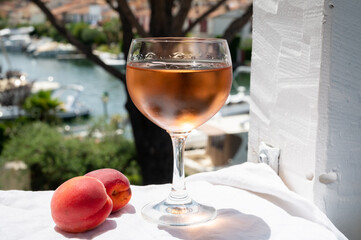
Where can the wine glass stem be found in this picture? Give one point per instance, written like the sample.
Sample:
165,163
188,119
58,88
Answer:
178,193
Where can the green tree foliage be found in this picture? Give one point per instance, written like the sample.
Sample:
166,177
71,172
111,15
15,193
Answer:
92,36
54,158
3,22
76,29
41,106
47,30
246,47
112,29
83,32
54,34
41,29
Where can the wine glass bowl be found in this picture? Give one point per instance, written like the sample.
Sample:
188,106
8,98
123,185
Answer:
178,83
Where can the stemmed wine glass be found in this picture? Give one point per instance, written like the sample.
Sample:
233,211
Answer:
179,83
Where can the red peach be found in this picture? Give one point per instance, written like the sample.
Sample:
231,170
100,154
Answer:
80,204
116,184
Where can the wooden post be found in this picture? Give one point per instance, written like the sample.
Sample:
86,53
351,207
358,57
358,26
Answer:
306,100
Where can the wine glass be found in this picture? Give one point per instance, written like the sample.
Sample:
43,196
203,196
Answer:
179,83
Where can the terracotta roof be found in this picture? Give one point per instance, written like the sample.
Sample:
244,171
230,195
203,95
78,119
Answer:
80,10
230,5
23,11
68,7
110,13
7,6
139,7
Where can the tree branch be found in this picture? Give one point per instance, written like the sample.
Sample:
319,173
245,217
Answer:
238,24
124,12
127,12
79,45
169,16
111,4
179,19
203,16
160,20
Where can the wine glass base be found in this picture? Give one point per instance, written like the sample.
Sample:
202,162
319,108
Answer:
187,214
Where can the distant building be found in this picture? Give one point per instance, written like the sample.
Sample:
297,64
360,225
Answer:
141,10
217,22
220,22
21,12
94,11
88,11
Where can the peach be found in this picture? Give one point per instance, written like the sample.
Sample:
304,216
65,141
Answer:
80,204
116,184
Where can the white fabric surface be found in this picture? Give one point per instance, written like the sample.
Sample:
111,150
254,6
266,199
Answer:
252,203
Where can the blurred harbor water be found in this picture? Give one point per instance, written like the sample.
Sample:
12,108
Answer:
93,78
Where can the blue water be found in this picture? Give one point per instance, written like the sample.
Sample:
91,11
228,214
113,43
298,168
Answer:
94,79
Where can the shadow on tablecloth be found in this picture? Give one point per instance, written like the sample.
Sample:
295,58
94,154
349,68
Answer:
102,228
229,224
127,209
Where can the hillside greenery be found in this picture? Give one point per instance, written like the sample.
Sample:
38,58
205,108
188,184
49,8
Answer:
54,158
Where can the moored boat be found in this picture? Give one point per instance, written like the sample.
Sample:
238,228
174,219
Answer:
68,94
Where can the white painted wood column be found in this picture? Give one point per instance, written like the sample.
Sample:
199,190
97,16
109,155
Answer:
306,100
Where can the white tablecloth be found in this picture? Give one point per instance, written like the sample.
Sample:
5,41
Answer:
252,203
